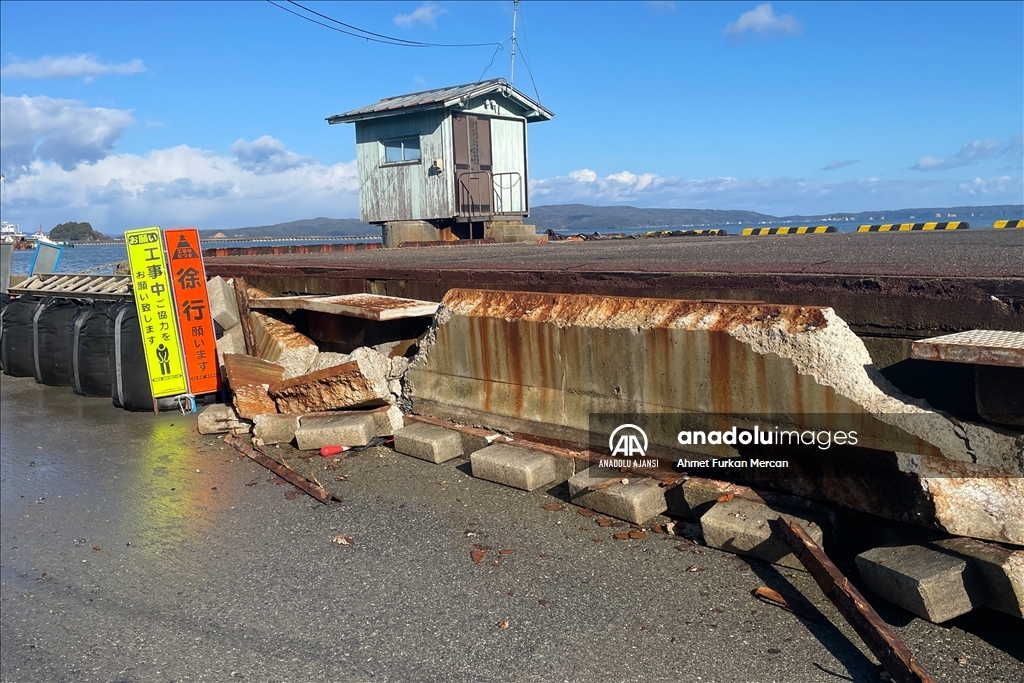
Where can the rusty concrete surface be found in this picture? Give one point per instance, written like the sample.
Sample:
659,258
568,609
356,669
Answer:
334,388
542,364
249,379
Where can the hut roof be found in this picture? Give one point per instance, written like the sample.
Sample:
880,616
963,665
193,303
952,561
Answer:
451,96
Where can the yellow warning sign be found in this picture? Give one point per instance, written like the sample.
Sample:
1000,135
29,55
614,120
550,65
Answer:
157,317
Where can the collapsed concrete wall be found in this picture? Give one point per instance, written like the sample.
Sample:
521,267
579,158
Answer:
542,364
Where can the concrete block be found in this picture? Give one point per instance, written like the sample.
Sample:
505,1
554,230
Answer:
388,420
637,501
519,468
342,430
280,343
329,359
932,584
428,442
232,341
275,428
218,418
999,571
223,305
742,527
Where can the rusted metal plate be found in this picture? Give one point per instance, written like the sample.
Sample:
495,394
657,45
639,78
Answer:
71,286
980,347
366,306
249,379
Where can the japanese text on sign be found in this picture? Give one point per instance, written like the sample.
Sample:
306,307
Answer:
156,312
192,301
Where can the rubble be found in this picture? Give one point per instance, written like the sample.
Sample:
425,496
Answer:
249,379
272,428
603,490
223,306
280,343
743,527
222,419
334,388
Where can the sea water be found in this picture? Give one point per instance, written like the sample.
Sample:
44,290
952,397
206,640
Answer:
101,259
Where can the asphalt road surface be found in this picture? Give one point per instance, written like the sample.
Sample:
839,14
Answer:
134,549
957,253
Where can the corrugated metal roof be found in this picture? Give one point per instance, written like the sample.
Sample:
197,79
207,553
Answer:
444,97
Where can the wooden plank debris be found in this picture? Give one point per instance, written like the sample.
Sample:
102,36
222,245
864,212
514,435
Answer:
280,469
366,306
894,655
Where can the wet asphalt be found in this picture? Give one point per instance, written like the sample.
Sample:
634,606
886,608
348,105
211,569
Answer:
134,549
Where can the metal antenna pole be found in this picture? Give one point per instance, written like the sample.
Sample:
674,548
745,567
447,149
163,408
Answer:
512,70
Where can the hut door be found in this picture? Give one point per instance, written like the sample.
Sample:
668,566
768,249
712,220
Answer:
474,188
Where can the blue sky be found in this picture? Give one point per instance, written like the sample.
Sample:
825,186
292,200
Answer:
212,114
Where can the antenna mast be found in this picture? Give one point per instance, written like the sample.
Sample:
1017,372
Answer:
512,70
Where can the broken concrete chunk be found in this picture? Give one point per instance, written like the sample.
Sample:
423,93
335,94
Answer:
350,429
280,343
389,420
342,386
221,419
233,341
223,306
428,442
932,584
602,490
519,468
999,570
274,428
329,359
742,527
249,379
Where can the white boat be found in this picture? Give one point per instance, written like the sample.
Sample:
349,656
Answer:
10,233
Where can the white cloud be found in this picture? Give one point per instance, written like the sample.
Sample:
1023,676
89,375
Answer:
833,165
426,14
993,186
64,131
186,186
970,152
778,196
69,67
267,155
762,21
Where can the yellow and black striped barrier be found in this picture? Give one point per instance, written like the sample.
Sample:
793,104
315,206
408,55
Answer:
999,225
905,227
801,230
678,233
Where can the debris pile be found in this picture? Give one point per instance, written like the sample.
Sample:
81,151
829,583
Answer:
287,387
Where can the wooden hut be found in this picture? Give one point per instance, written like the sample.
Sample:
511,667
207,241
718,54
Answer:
446,164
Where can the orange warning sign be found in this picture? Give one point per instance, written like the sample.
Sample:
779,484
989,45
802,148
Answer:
192,305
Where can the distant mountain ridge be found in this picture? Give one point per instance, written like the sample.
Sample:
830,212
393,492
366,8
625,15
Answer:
574,218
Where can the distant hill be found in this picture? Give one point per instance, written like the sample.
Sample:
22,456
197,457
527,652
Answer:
307,227
573,218
583,218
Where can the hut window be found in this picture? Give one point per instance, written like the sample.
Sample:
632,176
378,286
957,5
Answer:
401,150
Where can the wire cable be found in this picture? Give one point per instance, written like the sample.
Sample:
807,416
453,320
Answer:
490,63
368,36
526,58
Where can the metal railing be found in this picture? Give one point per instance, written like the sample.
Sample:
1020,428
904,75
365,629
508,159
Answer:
509,193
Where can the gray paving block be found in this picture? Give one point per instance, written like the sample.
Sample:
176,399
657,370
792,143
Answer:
275,428
341,430
223,306
520,468
428,442
932,584
219,418
742,527
637,501
1000,571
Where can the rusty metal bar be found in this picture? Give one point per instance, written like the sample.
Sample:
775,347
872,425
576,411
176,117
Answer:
242,299
894,655
282,470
